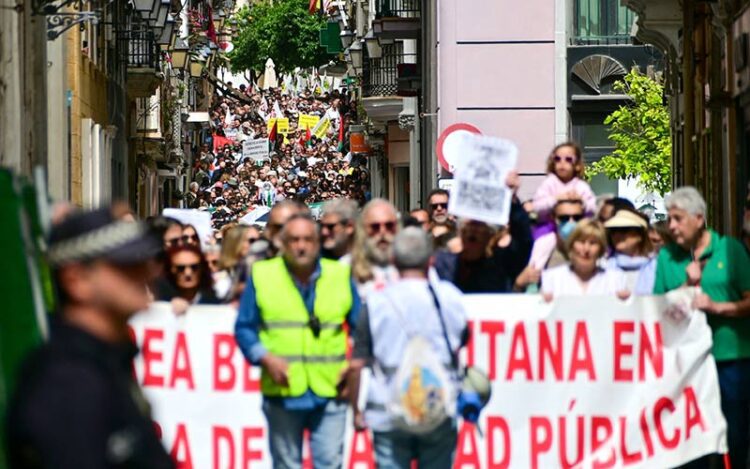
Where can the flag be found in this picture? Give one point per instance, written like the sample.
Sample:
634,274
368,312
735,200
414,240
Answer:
211,32
341,134
315,6
272,136
277,110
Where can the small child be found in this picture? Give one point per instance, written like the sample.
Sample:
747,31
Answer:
565,169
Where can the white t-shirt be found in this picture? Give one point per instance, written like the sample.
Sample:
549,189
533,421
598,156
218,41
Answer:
562,281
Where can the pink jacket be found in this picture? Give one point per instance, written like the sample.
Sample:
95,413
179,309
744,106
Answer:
546,195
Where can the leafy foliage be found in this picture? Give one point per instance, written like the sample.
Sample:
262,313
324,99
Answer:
285,31
640,132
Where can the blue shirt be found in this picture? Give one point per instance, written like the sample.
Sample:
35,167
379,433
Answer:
246,331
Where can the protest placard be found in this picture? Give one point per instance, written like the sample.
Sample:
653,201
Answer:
283,125
479,191
571,386
321,128
199,219
256,149
308,121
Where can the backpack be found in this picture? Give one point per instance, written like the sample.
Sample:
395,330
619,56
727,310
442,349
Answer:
422,393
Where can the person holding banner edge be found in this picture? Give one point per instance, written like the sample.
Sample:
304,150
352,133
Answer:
291,321
720,266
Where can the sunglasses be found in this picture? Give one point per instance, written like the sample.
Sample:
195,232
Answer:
375,228
174,242
439,205
182,268
567,159
330,226
189,239
566,218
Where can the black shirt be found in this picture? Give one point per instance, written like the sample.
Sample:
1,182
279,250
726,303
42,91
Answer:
78,406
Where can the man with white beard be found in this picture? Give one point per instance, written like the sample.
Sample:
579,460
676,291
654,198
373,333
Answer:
373,245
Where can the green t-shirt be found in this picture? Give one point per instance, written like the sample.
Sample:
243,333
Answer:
726,276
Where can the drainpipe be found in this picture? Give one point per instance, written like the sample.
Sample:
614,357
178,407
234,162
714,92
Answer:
689,138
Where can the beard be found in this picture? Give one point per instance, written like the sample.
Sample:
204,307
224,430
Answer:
377,252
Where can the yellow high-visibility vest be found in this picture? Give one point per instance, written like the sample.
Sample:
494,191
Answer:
314,362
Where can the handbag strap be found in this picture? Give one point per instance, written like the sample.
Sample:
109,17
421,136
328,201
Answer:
453,354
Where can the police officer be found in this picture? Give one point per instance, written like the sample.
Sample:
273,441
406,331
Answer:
77,404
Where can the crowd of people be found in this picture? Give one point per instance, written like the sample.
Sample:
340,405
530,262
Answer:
300,283
306,162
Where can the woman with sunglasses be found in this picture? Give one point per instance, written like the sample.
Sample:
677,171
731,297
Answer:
564,181
190,236
632,251
188,278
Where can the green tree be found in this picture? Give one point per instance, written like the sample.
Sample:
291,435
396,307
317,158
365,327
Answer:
284,31
640,132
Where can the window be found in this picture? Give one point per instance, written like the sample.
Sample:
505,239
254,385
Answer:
602,22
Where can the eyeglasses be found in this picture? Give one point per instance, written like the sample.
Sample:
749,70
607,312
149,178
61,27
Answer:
182,268
566,218
567,159
375,228
441,205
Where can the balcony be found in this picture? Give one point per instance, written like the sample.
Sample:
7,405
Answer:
602,22
386,80
397,19
142,55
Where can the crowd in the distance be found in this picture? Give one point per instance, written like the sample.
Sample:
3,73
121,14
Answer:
305,163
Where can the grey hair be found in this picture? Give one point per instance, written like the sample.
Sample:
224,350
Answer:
687,198
194,185
343,208
412,249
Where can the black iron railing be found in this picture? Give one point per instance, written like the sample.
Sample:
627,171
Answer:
380,76
142,50
602,22
398,9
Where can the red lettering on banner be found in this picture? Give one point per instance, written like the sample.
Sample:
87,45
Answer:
585,362
693,415
563,447
250,384
224,374
646,434
653,350
181,446
362,452
519,362
553,353
181,368
494,425
152,357
470,346
627,458
492,329
598,440
539,444
661,405
622,350
249,454
223,434
467,440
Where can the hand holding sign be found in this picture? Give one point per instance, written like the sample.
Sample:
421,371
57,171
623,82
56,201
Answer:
484,179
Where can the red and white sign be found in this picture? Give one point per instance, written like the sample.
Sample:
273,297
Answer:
448,145
581,382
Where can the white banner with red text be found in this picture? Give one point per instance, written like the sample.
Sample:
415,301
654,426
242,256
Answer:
579,382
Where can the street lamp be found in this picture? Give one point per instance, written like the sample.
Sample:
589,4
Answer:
161,17
180,54
144,6
374,51
356,53
167,37
218,19
347,37
196,67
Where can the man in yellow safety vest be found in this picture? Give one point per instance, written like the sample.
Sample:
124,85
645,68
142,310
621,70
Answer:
292,321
